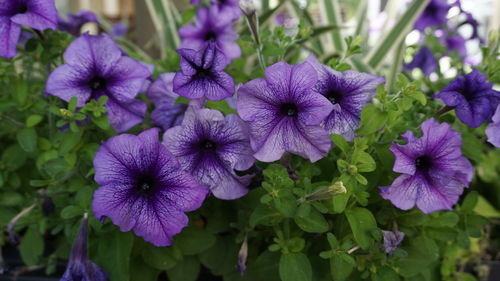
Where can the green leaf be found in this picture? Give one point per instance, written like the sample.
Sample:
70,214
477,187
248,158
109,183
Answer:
33,120
333,17
194,240
222,257
448,219
27,139
162,258
340,142
73,102
372,119
31,247
113,254
422,252
314,222
485,209
364,161
338,203
362,222
295,267
186,270
139,271
265,215
13,157
10,198
71,211
272,49
340,268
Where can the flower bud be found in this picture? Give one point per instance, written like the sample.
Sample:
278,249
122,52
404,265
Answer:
247,7
327,193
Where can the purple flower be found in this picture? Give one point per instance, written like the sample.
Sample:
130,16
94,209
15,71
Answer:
95,66
211,26
80,268
348,92
433,15
472,97
493,129
37,14
118,30
228,8
202,75
392,240
143,187
455,43
434,172
210,147
284,113
423,59
75,22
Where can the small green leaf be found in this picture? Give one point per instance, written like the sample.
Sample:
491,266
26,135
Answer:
339,268
372,119
27,139
272,49
448,219
186,270
71,211
470,201
264,215
194,240
340,142
33,120
162,258
72,104
295,267
314,222
31,246
362,222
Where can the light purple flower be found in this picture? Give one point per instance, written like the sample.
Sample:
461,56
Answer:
348,92
37,14
433,15
75,22
143,187
284,113
433,170
228,8
202,74
95,66
473,98
392,240
211,147
493,129
423,59
211,26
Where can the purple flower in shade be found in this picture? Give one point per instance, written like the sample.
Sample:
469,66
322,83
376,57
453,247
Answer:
227,8
210,147
284,113
75,22
348,92
118,30
392,240
80,268
433,15
493,129
211,26
423,59
95,66
143,187
455,43
472,97
37,14
202,75
434,172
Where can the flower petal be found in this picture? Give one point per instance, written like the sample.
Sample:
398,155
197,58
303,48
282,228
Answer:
66,81
123,116
9,36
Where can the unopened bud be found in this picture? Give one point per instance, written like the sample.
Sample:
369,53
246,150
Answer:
65,113
327,193
247,7
352,169
242,257
338,188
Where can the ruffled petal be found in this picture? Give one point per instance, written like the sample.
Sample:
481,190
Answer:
9,36
41,14
66,82
123,116
126,79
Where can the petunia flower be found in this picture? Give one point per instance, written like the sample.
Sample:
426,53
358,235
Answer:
433,170
493,129
284,113
95,66
348,92
423,59
202,74
37,14
434,15
80,268
211,147
392,240
455,43
118,30
143,187
472,97
75,22
211,27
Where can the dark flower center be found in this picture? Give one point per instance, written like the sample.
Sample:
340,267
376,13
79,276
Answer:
207,144
210,36
97,83
334,96
289,109
423,162
145,184
21,9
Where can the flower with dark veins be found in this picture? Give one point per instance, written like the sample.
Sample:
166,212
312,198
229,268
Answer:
493,129
392,240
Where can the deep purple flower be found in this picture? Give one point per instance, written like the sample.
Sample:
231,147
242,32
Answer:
348,92
118,30
392,240
473,98
455,43
423,59
493,129
433,170
284,113
143,187
211,26
37,14
228,8
210,147
433,15
75,22
95,66
202,75
80,268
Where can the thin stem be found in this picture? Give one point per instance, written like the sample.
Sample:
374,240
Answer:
352,250
444,110
39,34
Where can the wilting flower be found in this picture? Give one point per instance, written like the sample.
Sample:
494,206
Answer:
392,240
241,266
472,97
348,92
493,129
210,147
284,113
37,14
423,59
143,187
202,75
75,22
434,172
80,268
433,15
211,27
95,66
455,43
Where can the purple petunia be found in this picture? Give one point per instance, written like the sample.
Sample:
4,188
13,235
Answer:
433,15
118,30
210,147
143,187
95,66
202,75
433,170
348,92
37,14
472,97
425,60
392,240
211,27
75,22
285,113
493,129
455,43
